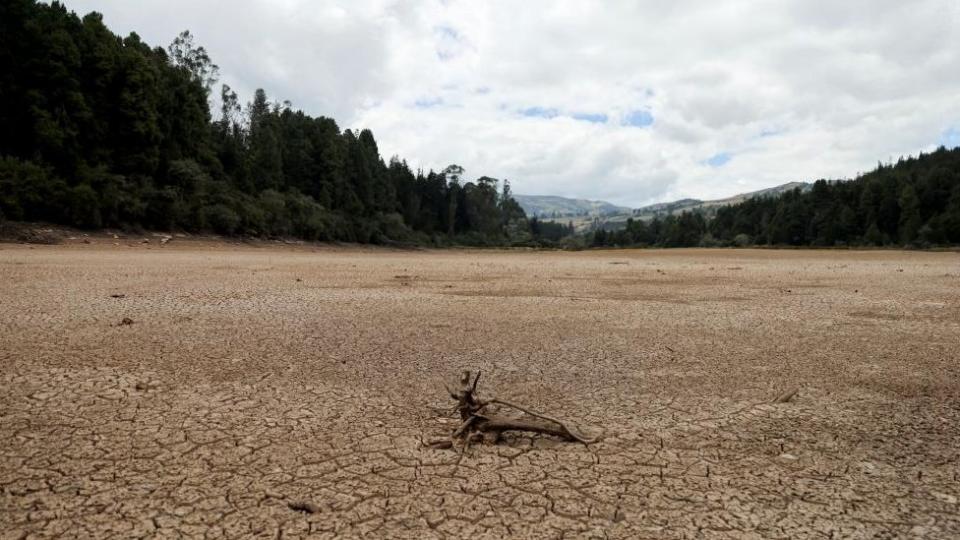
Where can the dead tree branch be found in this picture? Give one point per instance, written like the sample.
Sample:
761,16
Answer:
563,425
477,422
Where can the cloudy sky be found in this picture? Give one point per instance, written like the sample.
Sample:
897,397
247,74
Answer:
631,102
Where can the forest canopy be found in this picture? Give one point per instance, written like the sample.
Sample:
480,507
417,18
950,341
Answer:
104,131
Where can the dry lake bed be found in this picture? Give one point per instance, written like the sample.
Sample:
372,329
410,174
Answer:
285,391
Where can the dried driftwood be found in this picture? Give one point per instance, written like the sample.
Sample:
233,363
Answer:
476,421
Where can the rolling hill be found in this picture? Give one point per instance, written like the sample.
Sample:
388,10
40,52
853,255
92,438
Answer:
549,206
676,207
587,214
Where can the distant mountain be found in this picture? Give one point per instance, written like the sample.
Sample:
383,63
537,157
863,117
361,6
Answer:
549,206
671,207
597,214
676,207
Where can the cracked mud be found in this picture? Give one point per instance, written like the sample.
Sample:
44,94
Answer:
287,392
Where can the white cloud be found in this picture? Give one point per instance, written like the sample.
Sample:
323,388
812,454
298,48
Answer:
793,90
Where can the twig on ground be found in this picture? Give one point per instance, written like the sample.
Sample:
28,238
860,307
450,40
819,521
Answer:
475,421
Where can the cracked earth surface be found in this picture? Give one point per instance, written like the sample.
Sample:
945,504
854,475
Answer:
256,380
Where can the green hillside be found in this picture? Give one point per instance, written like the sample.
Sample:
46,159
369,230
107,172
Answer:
552,207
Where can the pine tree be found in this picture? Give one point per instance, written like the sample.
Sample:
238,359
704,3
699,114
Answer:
910,220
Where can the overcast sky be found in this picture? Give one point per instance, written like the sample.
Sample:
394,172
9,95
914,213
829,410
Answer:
631,102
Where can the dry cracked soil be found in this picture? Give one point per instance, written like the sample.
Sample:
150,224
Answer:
287,391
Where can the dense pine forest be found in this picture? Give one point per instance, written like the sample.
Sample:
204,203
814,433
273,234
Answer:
915,202
103,131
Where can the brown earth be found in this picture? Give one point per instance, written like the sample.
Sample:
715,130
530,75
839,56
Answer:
286,391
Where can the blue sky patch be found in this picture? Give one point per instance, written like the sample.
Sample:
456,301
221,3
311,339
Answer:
447,32
718,160
595,118
638,118
950,138
450,43
539,112
428,102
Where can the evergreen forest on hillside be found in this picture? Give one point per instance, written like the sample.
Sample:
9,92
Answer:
103,131
915,202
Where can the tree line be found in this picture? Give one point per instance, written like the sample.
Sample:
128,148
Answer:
104,131
915,202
